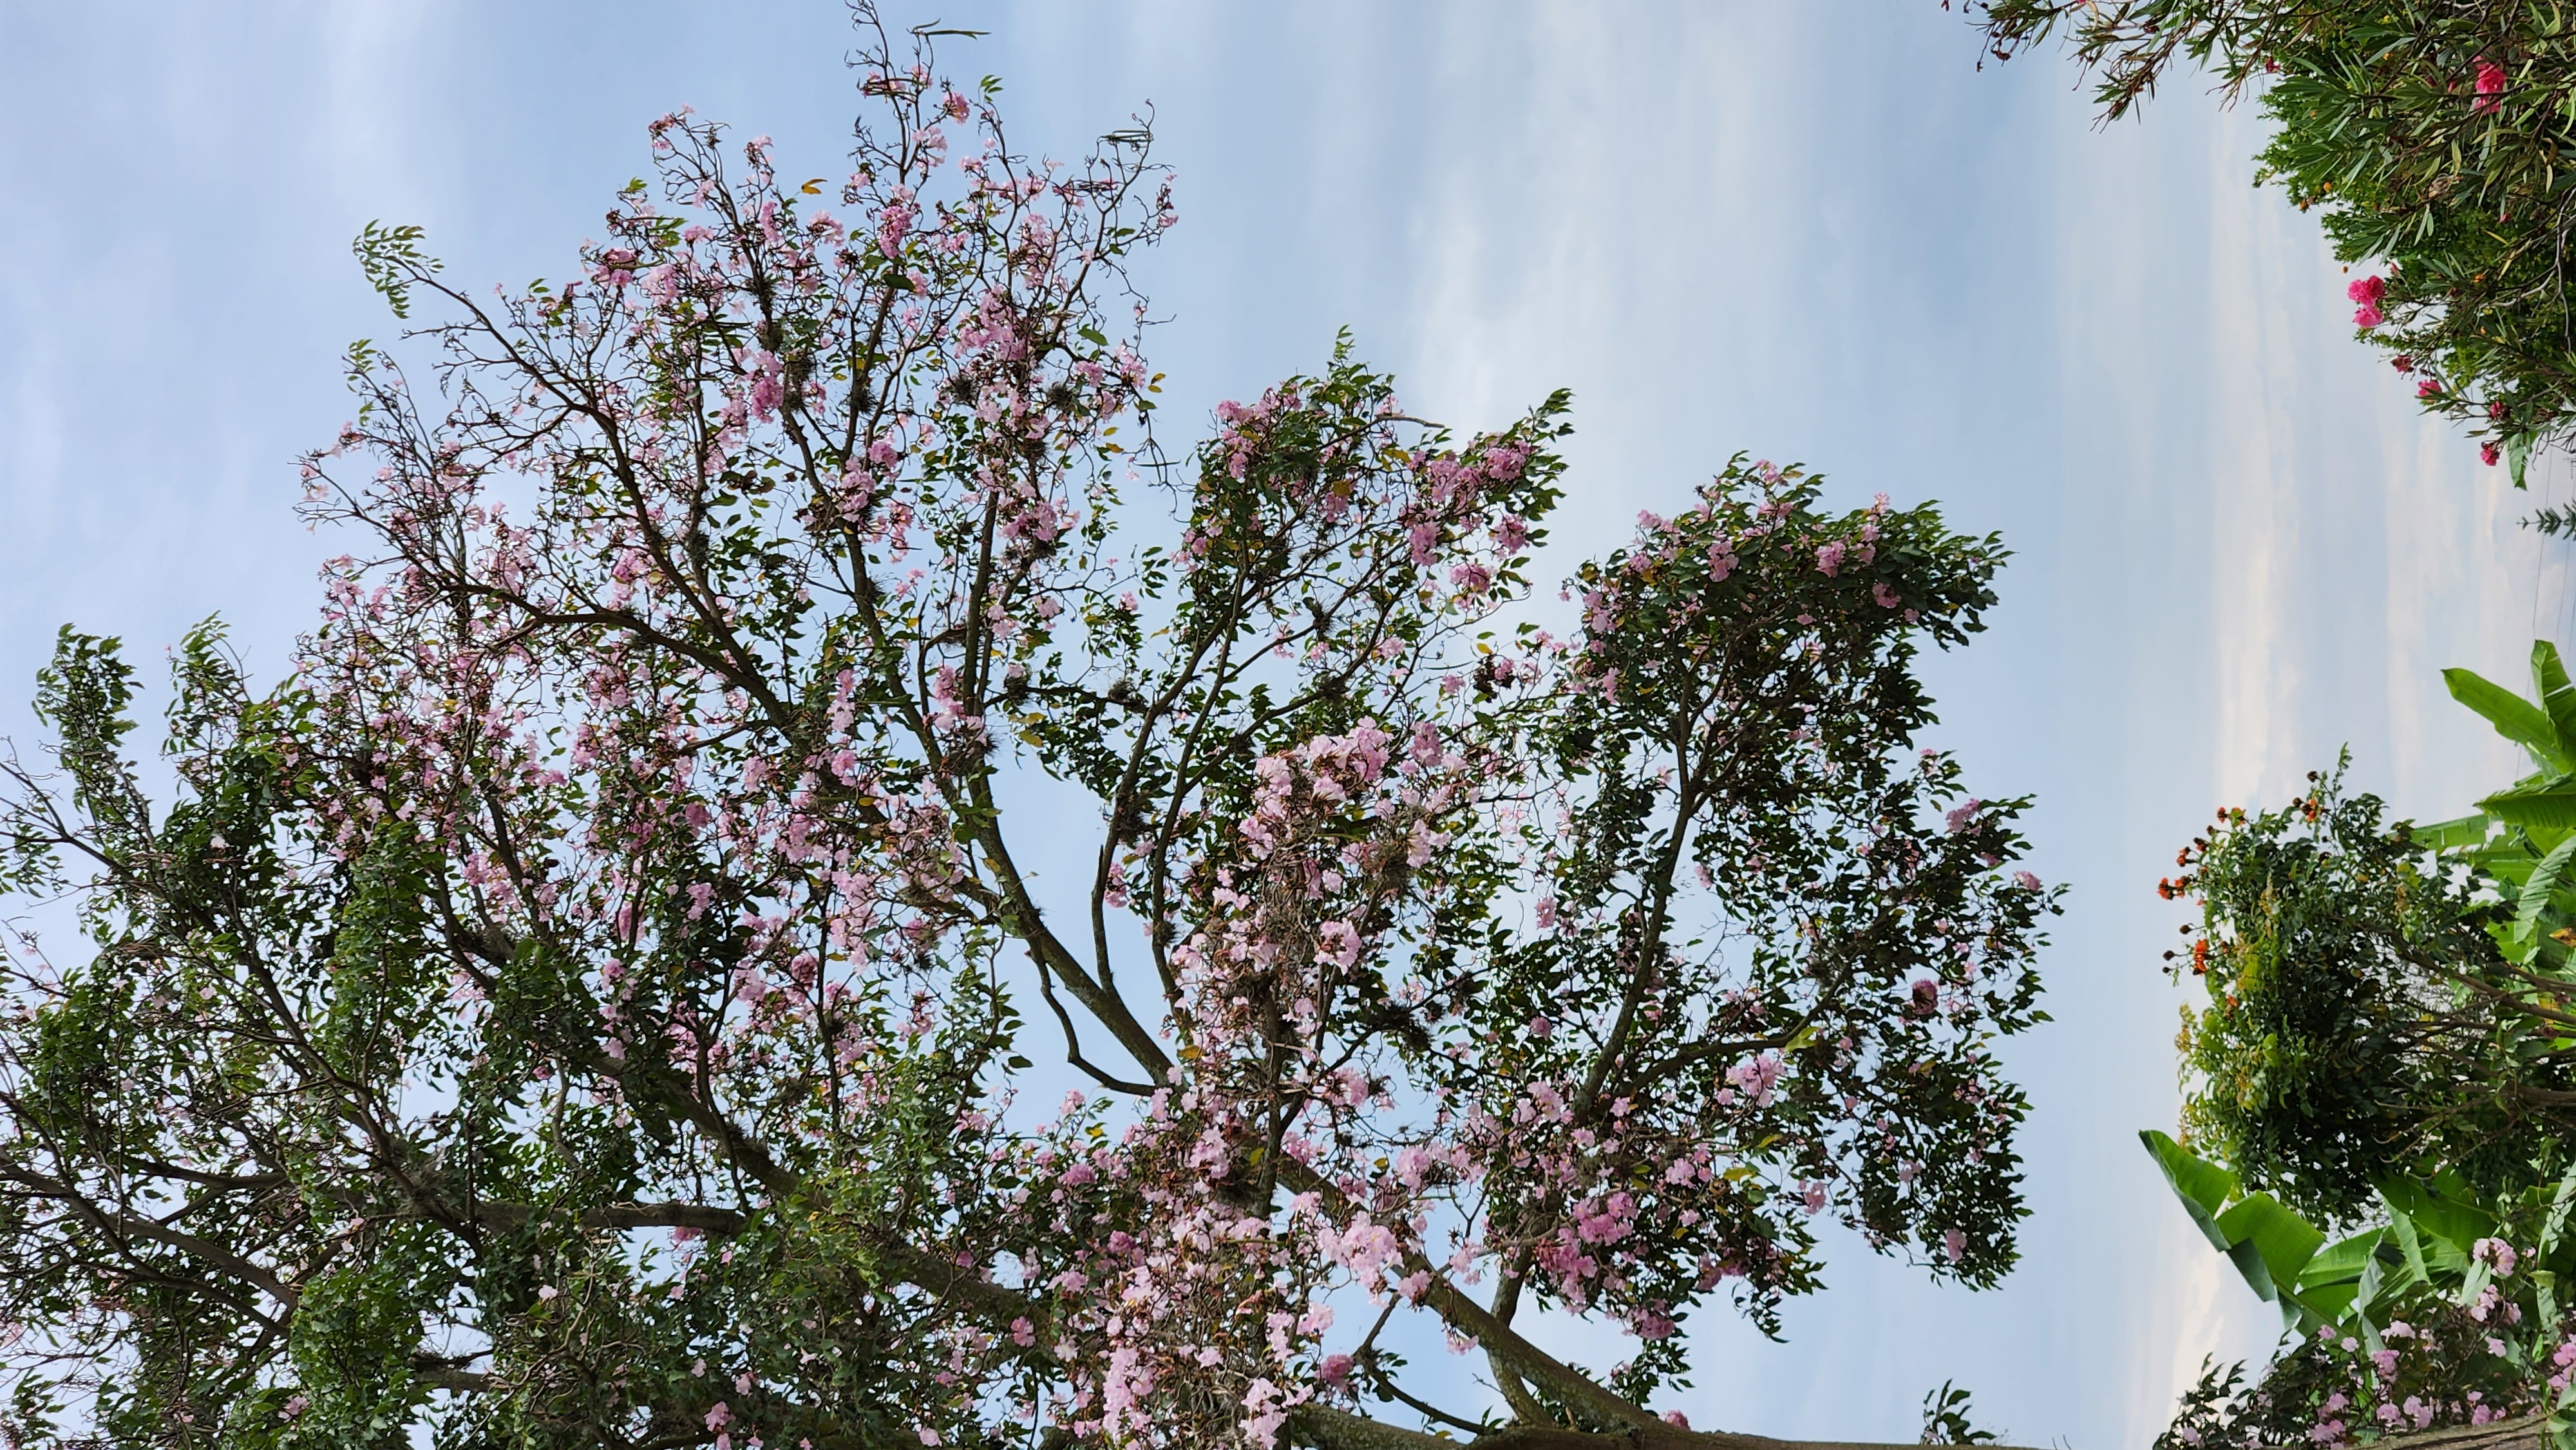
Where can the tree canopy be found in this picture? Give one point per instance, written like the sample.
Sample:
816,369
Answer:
626,986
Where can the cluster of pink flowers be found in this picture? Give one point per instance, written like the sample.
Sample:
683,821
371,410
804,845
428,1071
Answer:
2451,1361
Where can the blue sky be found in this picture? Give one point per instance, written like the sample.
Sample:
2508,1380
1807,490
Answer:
1813,232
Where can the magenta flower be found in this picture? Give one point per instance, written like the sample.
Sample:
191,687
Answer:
2488,453
2366,290
2428,389
2491,80
2367,316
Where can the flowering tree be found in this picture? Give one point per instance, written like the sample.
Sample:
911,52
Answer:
599,999
2430,134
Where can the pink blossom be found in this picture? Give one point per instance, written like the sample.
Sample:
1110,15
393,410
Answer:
1606,1222
1365,1248
2495,1252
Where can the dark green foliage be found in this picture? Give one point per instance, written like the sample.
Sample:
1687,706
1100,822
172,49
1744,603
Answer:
1945,1419
2335,1047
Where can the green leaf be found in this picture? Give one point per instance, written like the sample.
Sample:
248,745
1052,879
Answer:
2401,1227
2258,1274
2455,1224
2515,718
2341,1279
2547,803
2203,1186
2275,1232
2453,835
2535,892
392,260
2329,1302
2344,1261
2480,1272
2517,452
2365,1293
2557,696
2558,1207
